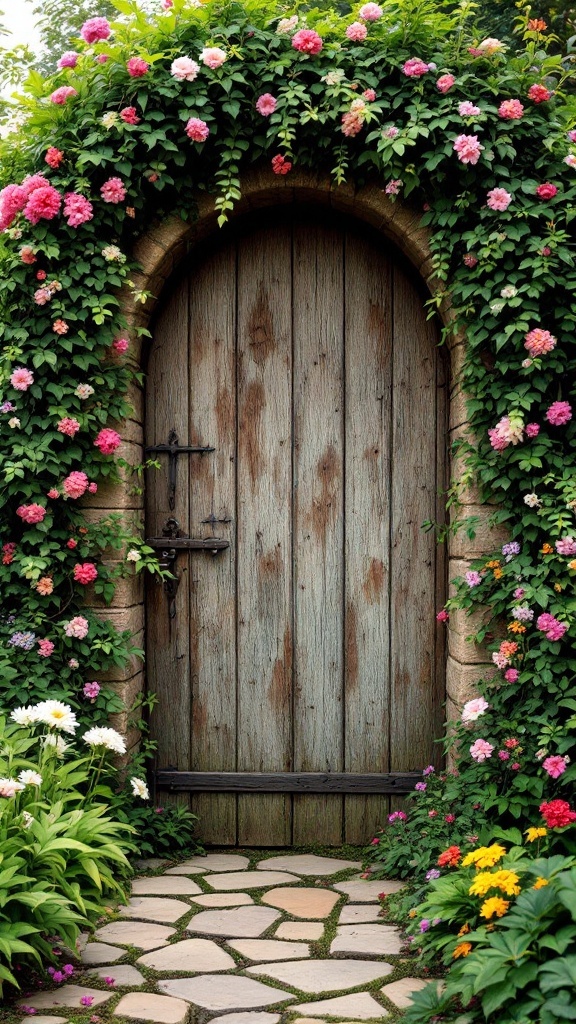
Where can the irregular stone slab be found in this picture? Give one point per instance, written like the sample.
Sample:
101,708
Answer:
245,922
68,995
308,903
250,880
153,908
243,1018
162,886
224,899
101,953
360,1006
362,890
269,949
399,992
42,1019
147,1006
184,869
359,913
125,976
368,939
309,931
217,862
137,934
307,864
228,992
319,976
150,863
199,955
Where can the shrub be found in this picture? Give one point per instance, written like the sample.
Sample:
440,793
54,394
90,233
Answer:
162,831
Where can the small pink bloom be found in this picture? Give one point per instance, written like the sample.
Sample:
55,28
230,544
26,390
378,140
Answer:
113,191
213,57
570,160
60,327
511,743
197,130
539,342
307,41
71,543
391,132
184,69
63,94
468,148
445,83
449,819
92,488
32,513
136,67
511,675
415,68
369,94
532,429
41,275
68,59
357,32
546,251
515,767
559,413
85,572
473,578
370,12
107,441
77,209
481,750
393,187
129,115
54,157
280,165
73,663
468,109
539,93
53,493
503,755
555,766
566,546
499,199
91,690
432,814
77,627
75,484
266,104
42,296
21,379
45,648
68,426
95,29
547,190
121,345
102,58
551,627
442,616
511,110
86,1000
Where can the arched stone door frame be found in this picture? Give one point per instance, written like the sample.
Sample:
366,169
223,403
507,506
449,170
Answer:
159,252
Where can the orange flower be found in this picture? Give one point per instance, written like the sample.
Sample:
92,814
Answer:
498,574
572,564
60,327
464,929
540,882
450,857
494,564
508,648
517,627
547,549
462,949
558,588
537,25
45,586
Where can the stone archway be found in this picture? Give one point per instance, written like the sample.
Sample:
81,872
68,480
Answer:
159,252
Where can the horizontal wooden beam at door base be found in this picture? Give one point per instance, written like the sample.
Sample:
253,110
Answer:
286,782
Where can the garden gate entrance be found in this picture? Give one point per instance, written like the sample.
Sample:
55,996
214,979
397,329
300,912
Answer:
300,353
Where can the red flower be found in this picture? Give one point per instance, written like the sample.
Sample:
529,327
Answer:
54,157
71,543
557,813
85,572
280,165
539,93
129,115
8,553
307,41
450,857
546,191
136,67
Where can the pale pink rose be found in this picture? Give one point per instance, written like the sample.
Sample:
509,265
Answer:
474,708
539,342
559,413
357,32
445,83
481,750
468,148
63,94
468,109
197,130
113,191
499,199
68,426
9,788
77,627
95,29
184,69
266,104
370,12
555,766
213,57
307,41
369,94
21,378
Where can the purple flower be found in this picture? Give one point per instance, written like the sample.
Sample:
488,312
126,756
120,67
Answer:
68,970
424,925
7,407
429,770
432,873
27,1009
110,981
86,1000
473,578
513,548
421,787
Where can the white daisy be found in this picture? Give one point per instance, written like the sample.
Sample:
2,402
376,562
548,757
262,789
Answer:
139,788
103,737
29,777
25,715
57,715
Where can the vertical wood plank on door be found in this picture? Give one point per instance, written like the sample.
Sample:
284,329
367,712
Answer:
167,639
264,554
441,561
212,372
318,521
413,577
368,350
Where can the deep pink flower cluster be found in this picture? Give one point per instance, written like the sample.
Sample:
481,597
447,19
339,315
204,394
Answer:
45,648
553,628
356,32
539,342
113,191
54,157
68,59
539,93
129,116
415,68
555,766
445,83
68,426
566,546
43,204
77,209
32,513
468,148
136,67
547,190
266,104
559,413
75,484
107,441
197,129
307,41
95,29
91,690
63,94
85,572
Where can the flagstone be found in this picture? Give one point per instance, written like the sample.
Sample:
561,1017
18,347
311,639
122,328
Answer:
154,908
308,931
250,880
359,913
68,995
185,869
230,993
101,953
42,1019
223,899
148,1006
319,976
217,862
198,955
308,903
307,864
137,934
359,1007
125,976
269,949
248,1017
160,885
399,992
244,922
368,939
362,890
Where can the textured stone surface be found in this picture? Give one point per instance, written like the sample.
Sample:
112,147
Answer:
185,869
101,953
225,993
308,931
154,908
250,880
399,992
360,913
67,995
199,955
269,949
245,922
223,899
150,864
368,939
307,864
217,862
319,976
363,890
125,976
360,1006
148,1006
131,933
162,886
43,1019
248,1017
307,903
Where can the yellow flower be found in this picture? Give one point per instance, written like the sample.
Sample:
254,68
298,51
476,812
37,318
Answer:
517,627
572,564
535,833
482,883
484,856
495,905
464,930
462,949
558,588
540,882
412,913
498,574
506,881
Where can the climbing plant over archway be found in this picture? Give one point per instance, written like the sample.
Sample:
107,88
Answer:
145,113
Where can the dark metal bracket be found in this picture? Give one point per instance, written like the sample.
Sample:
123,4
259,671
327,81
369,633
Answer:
173,449
168,546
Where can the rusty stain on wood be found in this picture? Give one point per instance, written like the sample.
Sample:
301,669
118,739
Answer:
374,582
251,441
351,648
281,685
261,328
271,564
325,507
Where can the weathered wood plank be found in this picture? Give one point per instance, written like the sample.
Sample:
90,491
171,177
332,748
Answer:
288,782
167,661
318,521
212,374
368,341
264,553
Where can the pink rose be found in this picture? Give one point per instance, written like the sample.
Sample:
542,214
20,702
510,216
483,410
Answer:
266,104
555,766
121,345
32,513
130,116
77,627
357,32
445,83
559,413
546,191
85,572
468,109
21,378
77,209
136,67
95,29
197,130
54,157
75,484
68,426
68,59
107,441
213,57
184,69
468,148
511,110
43,204
481,750
499,199
63,94
113,191
45,648
539,93
370,12
532,429
307,41
539,342
415,68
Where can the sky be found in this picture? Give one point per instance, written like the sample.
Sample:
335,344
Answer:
19,20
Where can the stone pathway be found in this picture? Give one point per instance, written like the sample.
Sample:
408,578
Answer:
228,939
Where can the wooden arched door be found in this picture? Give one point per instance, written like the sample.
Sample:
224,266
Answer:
298,348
